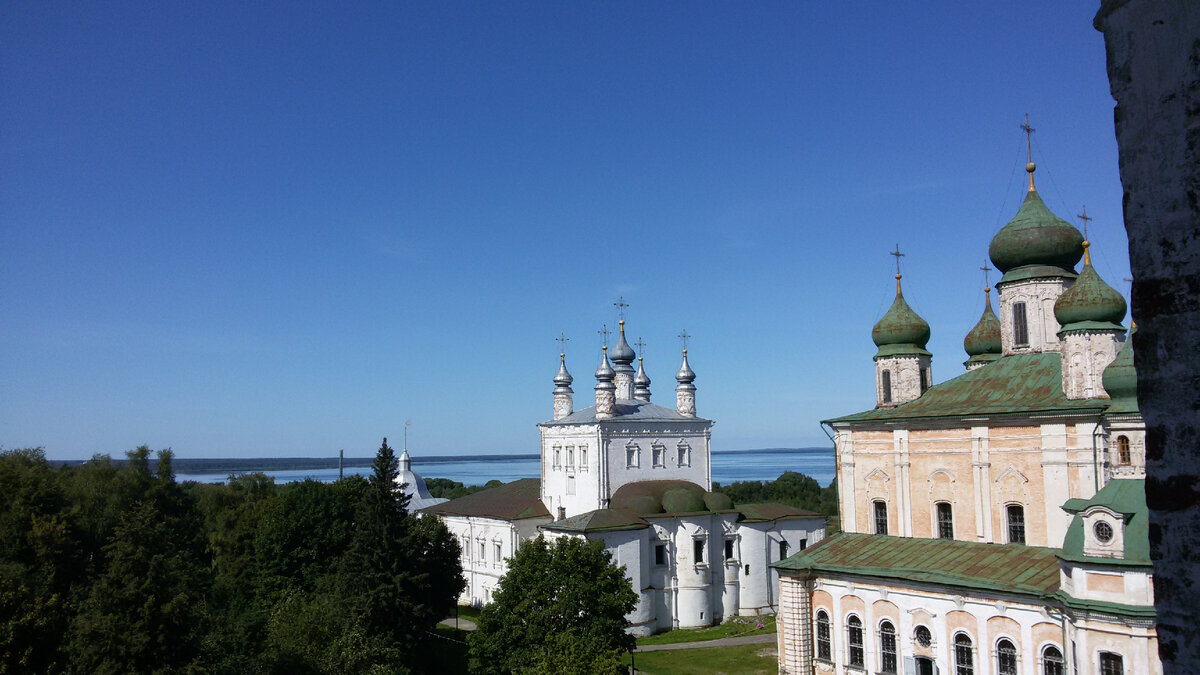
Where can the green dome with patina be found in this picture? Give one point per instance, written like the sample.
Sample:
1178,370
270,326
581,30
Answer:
901,330
1120,379
983,343
1090,304
1036,243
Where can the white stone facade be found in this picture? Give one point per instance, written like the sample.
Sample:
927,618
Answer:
1085,355
487,544
1038,297
907,377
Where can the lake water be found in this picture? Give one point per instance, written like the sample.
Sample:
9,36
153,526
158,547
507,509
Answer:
728,467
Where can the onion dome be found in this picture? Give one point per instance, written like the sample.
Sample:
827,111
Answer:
983,342
1120,379
685,374
641,383
562,379
1036,243
622,353
1090,303
901,330
605,372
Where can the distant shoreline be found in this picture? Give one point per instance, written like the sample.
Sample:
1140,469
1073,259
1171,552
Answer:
252,464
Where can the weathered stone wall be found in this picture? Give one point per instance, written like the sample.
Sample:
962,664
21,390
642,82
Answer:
1154,72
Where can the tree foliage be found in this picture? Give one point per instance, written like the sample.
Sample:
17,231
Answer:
791,488
560,609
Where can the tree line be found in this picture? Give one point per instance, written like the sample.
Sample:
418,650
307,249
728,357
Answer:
791,488
115,569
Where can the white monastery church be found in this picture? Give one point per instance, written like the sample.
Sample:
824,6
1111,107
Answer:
638,477
995,523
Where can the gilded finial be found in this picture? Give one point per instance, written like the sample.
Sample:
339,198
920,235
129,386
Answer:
1030,166
1085,219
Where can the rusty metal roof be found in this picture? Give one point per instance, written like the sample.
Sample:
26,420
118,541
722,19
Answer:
599,520
1019,384
1007,568
754,513
512,501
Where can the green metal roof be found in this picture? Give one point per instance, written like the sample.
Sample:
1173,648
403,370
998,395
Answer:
757,513
1126,497
598,521
1012,385
1006,568
512,501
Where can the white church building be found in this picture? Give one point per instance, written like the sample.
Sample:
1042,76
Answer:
638,477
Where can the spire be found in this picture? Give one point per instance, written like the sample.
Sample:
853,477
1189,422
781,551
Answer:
685,391
1029,166
606,398
641,383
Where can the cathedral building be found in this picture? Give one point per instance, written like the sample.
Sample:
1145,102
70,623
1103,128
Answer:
995,523
637,476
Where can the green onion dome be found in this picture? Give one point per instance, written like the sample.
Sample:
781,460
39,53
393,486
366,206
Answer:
1090,303
901,330
1120,379
983,342
1036,243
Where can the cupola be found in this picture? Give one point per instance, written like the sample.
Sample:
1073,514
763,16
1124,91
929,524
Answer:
685,391
622,358
1120,379
563,394
641,383
1090,303
901,330
982,343
606,398
902,364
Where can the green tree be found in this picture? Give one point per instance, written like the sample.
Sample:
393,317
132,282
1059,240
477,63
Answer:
560,609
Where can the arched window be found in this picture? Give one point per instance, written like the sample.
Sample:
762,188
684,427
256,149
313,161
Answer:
1006,658
945,520
855,655
1111,664
880,517
1052,661
1020,329
1016,523
887,386
1123,457
964,657
824,651
887,647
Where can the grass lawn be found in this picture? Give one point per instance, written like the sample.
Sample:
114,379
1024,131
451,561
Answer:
747,659
468,612
742,625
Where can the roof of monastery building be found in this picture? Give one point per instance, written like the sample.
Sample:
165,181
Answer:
517,500
1007,568
1126,497
1018,384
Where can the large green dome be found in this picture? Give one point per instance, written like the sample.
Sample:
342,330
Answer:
984,338
1090,303
1120,379
1036,243
901,330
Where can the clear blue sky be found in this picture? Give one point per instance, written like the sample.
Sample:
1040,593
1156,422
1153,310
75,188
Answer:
282,229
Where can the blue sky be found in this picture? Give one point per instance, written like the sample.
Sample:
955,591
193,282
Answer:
283,229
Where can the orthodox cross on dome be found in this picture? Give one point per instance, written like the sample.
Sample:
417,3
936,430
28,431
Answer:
684,338
898,255
620,304
605,333
1085,218
640,345
1030,167
562,341
985,269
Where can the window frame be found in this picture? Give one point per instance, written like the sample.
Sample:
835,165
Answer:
658,454
1009,654
824,643
1020,319
881,525
583,464
1109,667
944,522
660,554
1013,525
960,645
633,455
557,463
885,382
887,632
730,550
856,648
683,454
1056,667
1124,456
698,546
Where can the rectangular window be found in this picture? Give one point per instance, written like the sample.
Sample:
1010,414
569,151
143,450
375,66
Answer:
926,380
570,457
482,552
1016,524
783,550
1020,329
881,517
1111,664
660,455
570,485
660,554
945,521
496,550
886,385
631,455
803,543
684,456
698,550
583,458
557,457
729,549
